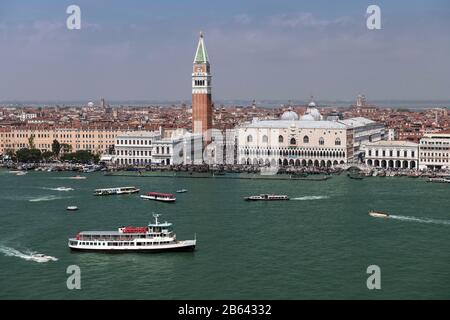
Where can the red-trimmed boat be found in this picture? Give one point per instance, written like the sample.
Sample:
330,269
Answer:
156,237
157,196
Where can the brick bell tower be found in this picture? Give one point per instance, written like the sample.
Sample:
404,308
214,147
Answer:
201,91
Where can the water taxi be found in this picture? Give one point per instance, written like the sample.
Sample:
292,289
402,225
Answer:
156,237
115,191
267,197
157,196
378,214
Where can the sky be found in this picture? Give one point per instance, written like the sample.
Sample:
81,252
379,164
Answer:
259,49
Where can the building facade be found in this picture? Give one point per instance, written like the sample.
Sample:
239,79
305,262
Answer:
201,90
294,143
96,140
434,149
143,148
392,154
364,131
135,148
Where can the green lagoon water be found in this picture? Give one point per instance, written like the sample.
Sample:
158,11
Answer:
316,246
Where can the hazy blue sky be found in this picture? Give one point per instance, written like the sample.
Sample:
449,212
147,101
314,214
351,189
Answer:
263,49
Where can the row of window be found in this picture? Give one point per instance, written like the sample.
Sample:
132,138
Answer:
390,153
118,244
135,142
434,154
141,153
201,82
303,153
123,161
293,141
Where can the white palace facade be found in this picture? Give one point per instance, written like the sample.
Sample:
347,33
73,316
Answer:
300,141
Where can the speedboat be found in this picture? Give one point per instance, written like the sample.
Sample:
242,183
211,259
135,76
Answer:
182,191
378,214
39,257
72,208
267,197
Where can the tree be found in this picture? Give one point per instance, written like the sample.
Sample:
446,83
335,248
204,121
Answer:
56,147
31,142
29,155
80,156
47,155
11,154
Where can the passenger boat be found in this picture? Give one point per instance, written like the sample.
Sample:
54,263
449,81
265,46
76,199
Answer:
115,191
267,197
378,214
182,191
164,197
156,237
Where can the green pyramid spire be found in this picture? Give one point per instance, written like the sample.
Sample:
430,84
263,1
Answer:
201,56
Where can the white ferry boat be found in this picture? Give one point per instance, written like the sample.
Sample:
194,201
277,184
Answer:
156,237
267,197
157,196
113,191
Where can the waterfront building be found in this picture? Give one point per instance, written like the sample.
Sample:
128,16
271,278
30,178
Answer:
304,141
135,147
364,131
202,108
295,141
142,148
391,154
434,149
96,140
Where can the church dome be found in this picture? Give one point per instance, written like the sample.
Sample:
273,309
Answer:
312,104
289,115
315,114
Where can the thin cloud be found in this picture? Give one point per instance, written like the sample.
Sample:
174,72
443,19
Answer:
305,19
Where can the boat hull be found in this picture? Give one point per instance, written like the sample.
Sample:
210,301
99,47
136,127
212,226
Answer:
157,199
253,199
186,248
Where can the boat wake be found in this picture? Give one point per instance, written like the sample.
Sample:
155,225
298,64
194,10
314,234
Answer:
47,198
29,255
420,220
306,198
59,189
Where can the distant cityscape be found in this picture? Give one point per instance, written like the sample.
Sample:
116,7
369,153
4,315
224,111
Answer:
288,134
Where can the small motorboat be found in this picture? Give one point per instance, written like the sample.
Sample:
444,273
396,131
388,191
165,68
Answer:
378,214
182,191
40,257
72,208
21,173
